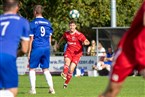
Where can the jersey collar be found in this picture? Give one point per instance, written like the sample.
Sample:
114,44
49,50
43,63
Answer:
74,32
39,17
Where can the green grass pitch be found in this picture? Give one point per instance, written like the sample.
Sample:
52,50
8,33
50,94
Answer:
80,87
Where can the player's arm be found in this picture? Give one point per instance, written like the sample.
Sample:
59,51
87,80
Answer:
144,19
24,48
86,42
83,39
24,39
61,39
30,46
50,39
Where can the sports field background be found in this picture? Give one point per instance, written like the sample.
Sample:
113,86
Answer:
81,87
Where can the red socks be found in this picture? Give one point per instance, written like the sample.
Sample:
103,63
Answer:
65,69
69,76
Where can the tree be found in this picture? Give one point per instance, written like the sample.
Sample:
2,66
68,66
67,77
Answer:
92,13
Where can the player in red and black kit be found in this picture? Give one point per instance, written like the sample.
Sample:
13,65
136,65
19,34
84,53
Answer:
75,41
129,56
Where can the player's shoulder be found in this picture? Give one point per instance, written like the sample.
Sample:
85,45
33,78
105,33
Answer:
78,33
23,20
46,20
40,21
66,33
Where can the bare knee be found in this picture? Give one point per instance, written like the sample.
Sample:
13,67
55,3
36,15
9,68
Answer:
67,61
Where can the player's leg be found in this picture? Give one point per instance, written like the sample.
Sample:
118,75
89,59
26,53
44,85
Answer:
70,74
112,90
32,78
44,64
49,80
67,61
74,62
33,63
8,93
121,69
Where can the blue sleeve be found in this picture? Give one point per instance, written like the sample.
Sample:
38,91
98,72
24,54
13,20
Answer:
31,28
26,30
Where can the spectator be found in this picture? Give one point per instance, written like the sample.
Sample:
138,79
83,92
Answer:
105,62
92,49
109,57
101,50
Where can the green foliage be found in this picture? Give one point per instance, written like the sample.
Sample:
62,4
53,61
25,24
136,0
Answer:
92,13
1,7
126,11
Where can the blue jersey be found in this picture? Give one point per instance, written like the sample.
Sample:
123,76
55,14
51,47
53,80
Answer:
12,28
41,29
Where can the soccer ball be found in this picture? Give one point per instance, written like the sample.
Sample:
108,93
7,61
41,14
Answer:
74,13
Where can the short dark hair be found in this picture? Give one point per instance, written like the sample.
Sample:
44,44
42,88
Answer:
72,22
8,4
38,9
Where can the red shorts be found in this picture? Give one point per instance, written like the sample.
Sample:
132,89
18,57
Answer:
123,66
75,58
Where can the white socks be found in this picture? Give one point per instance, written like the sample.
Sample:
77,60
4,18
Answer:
6,93
32,77
48,79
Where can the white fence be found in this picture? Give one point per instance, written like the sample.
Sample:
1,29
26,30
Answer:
56,64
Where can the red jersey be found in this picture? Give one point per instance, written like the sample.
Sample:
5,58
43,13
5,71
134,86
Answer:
131,43
74,41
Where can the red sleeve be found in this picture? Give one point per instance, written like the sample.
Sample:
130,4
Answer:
82,38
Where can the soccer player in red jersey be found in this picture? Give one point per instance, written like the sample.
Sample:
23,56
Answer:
130,55
75,41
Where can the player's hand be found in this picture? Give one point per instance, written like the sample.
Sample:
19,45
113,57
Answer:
86,42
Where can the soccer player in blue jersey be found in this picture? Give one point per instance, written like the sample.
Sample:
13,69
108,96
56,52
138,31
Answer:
13,29
39,52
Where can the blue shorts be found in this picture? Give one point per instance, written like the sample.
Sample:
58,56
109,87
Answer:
8,71
40,56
